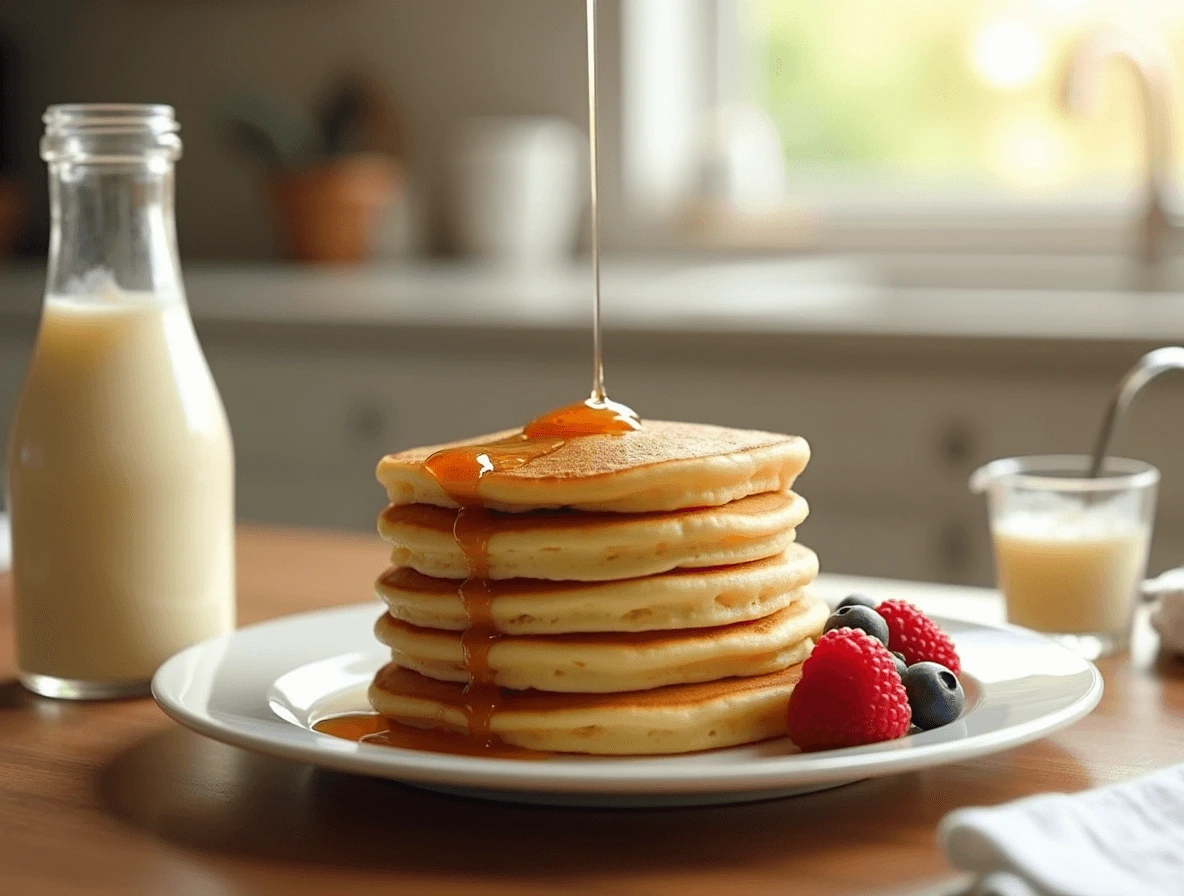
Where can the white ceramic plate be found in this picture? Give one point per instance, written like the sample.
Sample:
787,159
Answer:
264,686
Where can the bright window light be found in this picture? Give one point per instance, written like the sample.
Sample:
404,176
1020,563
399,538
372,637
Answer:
1007,54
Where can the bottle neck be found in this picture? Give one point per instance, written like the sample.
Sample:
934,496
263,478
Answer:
113,227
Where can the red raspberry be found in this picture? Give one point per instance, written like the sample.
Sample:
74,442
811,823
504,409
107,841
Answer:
912,633
849,694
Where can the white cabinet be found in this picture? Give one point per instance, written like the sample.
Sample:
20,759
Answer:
310,427
894,440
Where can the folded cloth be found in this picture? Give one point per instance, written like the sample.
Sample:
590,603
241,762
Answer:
1123,840
1168,616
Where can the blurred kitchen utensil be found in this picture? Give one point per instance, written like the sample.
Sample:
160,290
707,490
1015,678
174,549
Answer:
518,195
1151,365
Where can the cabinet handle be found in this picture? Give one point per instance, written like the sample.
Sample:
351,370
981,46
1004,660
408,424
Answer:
958,445
954,549
369,424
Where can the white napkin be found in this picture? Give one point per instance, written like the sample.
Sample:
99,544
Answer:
1168,616
1123,840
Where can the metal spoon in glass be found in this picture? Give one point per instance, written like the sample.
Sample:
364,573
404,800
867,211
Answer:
1149,367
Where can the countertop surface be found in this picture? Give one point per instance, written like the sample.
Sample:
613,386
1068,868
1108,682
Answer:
838,296
115,798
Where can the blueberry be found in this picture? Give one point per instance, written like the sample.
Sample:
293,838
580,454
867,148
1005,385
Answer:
935,695
862,618
899,662
858,600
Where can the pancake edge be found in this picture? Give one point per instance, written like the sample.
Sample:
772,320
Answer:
677,599
755,711
640,489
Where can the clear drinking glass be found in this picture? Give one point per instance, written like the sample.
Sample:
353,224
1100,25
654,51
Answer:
121,468
1070,550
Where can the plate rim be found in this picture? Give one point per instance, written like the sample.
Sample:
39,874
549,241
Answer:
618,775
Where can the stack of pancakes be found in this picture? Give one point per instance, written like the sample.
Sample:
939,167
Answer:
645,592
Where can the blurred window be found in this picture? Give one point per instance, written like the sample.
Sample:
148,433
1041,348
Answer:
944,96
889,108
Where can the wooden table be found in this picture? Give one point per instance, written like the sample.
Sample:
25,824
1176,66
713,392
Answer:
117,799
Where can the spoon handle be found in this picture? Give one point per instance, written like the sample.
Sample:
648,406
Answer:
1149,367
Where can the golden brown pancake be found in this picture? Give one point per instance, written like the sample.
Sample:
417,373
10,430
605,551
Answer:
663,466
683,598
590,547
616,661
674,719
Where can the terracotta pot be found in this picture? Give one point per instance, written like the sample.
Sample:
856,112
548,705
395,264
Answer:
329,213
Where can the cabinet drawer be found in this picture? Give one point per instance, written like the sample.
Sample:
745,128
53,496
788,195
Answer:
863,541
343,501
910,436
914,438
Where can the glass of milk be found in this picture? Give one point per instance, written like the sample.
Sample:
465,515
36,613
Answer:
1070,550
121,468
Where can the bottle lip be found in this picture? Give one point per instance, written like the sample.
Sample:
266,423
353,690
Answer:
110,131
111,118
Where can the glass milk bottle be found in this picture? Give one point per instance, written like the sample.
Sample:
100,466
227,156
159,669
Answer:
121,468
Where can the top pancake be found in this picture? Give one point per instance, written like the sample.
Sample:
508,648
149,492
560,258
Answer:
663,466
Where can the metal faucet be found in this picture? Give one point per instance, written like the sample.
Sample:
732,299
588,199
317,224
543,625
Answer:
1151,62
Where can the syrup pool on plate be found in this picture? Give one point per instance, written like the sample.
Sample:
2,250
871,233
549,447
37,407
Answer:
371,728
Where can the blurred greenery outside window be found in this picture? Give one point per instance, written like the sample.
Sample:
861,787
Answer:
945,97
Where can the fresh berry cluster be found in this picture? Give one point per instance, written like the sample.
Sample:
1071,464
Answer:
877,668
917,637
849,694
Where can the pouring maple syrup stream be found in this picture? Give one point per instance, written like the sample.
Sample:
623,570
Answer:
459,472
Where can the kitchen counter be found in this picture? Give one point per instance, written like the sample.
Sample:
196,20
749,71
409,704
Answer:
114,798
857,297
